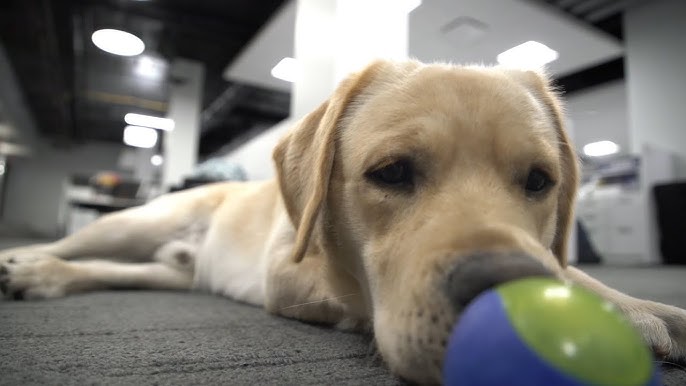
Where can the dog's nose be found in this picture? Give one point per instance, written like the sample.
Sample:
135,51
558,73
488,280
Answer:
478,272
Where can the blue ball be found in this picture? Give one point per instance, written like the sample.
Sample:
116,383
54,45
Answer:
539,331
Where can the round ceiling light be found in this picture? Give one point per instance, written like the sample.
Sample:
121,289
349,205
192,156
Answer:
118,42
600,148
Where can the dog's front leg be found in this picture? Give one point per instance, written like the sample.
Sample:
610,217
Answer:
300,291
663,327
308,290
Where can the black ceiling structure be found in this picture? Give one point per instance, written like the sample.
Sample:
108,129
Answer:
78,92
606,16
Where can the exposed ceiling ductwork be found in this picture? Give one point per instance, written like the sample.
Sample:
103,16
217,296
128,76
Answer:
77,92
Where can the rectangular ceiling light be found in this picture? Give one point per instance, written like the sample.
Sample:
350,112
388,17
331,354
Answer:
149,121
139,136
286,69
528,55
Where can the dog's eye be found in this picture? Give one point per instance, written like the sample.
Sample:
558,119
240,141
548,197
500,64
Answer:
537,182
398,174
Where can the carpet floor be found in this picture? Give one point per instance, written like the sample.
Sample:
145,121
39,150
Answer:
186,338
169,338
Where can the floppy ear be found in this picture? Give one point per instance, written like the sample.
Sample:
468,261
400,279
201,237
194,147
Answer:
568,184
304,157
540,86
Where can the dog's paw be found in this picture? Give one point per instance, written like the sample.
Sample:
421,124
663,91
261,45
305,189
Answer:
663,327
17,252
33,276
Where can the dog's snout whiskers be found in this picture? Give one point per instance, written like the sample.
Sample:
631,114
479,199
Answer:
319,301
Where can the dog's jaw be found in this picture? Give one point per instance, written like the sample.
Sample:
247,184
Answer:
412,338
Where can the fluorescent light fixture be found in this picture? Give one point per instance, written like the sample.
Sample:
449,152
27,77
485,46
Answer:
157,160
13,149
139,136
528,55
149,121
118,42
287,69
149,67
411,5
601,148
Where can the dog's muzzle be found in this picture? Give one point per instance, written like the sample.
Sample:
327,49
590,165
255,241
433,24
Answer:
480,271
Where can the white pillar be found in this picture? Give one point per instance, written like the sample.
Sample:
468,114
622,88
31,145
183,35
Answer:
656,83
313,28
332,39
367,30
336,37
185,104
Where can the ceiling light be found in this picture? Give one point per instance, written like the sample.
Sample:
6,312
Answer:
118,42
149,67
139,136
149,121
601,148
13,149
156,160
528,55
287,69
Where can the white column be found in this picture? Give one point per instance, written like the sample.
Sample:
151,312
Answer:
367,30
656,81
314,22
332,39
185,104
656,87
336,37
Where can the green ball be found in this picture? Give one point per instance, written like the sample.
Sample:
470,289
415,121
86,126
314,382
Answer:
576,331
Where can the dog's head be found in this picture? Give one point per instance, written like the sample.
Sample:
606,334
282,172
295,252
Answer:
428,184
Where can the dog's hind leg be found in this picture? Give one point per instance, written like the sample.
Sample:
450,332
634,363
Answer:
134,234
45,276
36,275
160,237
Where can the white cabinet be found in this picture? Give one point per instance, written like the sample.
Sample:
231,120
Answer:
594,219
616,205
617,224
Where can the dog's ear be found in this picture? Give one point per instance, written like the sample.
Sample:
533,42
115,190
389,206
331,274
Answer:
304,157
541,88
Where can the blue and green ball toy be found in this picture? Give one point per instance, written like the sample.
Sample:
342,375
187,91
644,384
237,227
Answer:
539,331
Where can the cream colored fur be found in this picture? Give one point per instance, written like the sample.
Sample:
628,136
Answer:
325,243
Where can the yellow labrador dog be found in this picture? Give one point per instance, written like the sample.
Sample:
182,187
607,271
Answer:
411,190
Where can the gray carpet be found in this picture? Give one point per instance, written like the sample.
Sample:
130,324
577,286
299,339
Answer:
177,338
168,338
